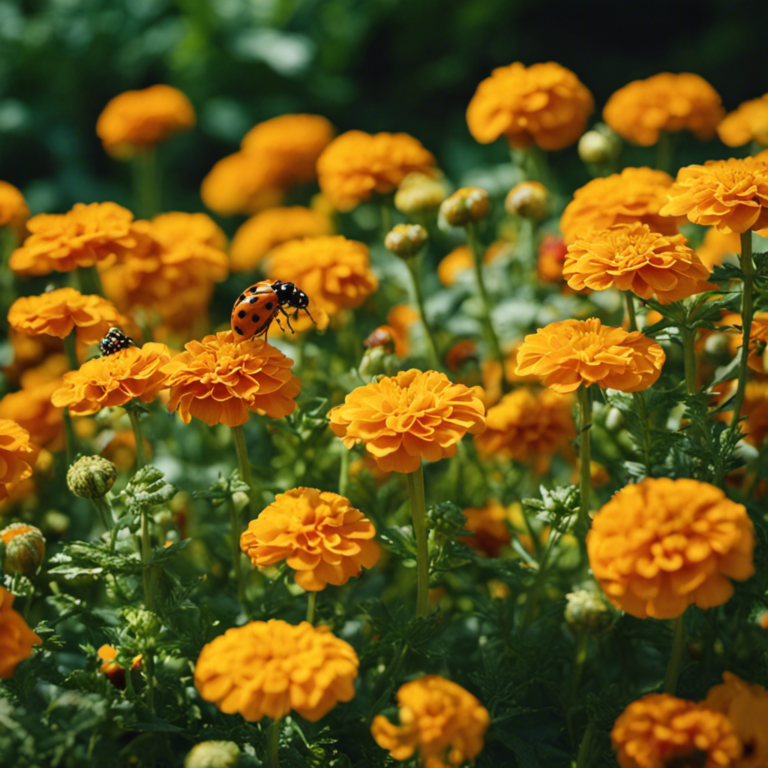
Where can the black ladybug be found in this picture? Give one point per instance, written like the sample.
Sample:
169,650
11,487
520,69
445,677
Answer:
114,341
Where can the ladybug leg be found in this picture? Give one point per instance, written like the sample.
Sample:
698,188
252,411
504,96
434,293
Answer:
280,325
310,315
287,319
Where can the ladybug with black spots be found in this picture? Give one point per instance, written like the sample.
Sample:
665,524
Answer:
114,341
259,305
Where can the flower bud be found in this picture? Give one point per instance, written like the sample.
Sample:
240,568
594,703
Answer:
91,477
599,146
24,549
406,240
419,193
465,206
717,348
213,754
586,609
528,199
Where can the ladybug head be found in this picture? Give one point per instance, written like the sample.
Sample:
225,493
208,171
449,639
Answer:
288,293
114,341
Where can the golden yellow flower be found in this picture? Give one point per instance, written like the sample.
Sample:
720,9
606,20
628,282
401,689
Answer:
634,195
661,545
14,210
545,104
32,410
29,351
441,721
460,259
404,418
574,352
731,195
748,122
356,165
105,382
270,668
260,234
80,238
319,534
491,526
634,258
219,380
293,142
16,638
716,246
17,455
659,731
527,425
641,110
334,272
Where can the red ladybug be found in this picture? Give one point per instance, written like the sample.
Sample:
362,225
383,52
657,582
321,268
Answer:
259,305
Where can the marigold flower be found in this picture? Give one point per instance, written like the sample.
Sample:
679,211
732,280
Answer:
748,122
32,410
659,730
17,455
551,259
334,272
641,110
545,104
270,668
491,526
574,352
14,210
268,229
219,380
293,142
16,638
114,671
758,337
439,719
633,258
356,165
138,120
420,193
105,382
661,545
405,418
460,259
24,549
634,195
319,534
716,246
460,353
731,195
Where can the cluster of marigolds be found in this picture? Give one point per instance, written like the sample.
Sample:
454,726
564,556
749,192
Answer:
656,548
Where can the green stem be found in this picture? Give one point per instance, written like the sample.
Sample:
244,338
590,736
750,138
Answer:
416,285
273,744
582,760
419,518
146,556
689,359
69,430
235,530
149,660
245,466
141,460
105,513
89,280
675,659
344,473
70,348
585,459
580,656
146,184
311,603
747,268
664,152
632,318
386,218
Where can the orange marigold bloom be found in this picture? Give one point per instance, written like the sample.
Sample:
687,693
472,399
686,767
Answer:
105,382
748,122
634,195
319,534
82,237
404,418
545,104
138,120
293,142
661,545
356,165
574,352
634,258
641,110
527,425
660,730
219,380
270,668
716,246
731,195
460,260
551,259
14,210
439,719
491,526
758,337
16,638
32,410
333,271
268,229
17,455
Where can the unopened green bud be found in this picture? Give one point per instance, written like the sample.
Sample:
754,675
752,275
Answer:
406,240
91,477
587,610
599,146
24,549
717,348
465,206
529,199
213,754
419,193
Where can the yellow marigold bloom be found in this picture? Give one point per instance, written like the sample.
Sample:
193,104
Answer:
270,668
404,418
219,380
545,104
16,638
334,272
356,165
138,120
574,352
319,534
661,545
491,526
660,730
746,706
293,142
268,229
17,455
731,195
441,721
716,246
105,382
634,195
32,410
634,258
460,259
527,425
640,111
748,122
14,210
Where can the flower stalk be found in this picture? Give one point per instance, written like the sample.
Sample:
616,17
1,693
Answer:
235,530
419,518
311,604
676,658
245,467
273,744
585,458
146,183
141,459
434,357
689,359
747,267
69,430
631,316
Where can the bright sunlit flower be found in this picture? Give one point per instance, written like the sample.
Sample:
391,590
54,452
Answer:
748,122
14,210
270,668
17,455
16,638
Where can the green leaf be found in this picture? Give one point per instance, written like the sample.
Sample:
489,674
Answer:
147,489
